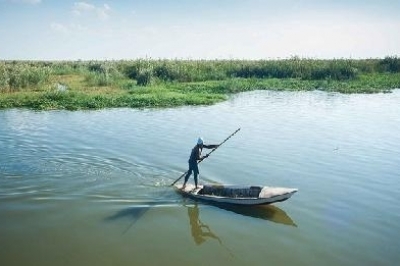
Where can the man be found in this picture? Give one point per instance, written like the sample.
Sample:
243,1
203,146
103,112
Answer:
195,156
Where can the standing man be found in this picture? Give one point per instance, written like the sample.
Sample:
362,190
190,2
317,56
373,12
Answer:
195,156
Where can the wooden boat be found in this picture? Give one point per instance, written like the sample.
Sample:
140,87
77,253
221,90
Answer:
240,195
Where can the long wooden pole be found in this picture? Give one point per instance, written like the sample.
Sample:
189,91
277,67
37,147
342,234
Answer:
207,155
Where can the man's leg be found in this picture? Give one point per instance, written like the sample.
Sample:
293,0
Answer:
187,175
196,173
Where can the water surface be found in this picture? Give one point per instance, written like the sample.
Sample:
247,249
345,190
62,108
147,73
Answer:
91,187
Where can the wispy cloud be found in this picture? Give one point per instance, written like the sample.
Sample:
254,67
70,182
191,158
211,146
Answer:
82,8
241,29
67,28
31,2
84,20
58,27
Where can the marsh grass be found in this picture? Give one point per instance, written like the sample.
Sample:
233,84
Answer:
16,76
163,83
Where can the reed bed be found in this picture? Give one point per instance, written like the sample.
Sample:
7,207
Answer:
160,83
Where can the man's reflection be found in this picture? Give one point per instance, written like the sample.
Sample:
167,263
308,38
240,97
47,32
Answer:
200,231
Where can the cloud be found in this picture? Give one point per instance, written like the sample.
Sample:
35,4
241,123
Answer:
31,2
59,27
82,8
103,12
67,28
84,23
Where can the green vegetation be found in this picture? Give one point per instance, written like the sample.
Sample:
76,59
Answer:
140,83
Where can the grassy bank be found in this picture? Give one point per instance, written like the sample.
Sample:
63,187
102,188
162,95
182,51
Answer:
76,85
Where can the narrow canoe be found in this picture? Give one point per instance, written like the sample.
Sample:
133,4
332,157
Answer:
240,195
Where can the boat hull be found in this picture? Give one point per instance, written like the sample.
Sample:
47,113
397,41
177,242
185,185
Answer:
253,195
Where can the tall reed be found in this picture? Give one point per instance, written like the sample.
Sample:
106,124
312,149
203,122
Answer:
15,76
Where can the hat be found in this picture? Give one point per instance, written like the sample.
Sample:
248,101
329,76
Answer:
200,141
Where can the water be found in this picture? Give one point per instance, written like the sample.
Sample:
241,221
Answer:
91,187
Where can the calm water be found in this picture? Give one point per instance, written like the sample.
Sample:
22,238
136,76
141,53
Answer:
91,187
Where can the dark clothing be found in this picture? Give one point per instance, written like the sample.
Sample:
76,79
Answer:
192,168
195,156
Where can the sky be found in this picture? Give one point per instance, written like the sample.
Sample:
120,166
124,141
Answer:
198,29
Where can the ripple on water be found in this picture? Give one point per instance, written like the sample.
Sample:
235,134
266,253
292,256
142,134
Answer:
63,172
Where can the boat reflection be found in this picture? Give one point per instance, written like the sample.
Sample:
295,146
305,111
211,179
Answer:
201,232
265,212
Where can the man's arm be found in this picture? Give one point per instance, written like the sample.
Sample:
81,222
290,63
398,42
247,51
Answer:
210,146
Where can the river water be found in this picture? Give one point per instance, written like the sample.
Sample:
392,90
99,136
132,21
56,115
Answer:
92,187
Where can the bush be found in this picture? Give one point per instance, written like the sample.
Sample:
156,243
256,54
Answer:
145,77
102,74
391,64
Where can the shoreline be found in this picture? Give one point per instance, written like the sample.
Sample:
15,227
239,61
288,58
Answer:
83,85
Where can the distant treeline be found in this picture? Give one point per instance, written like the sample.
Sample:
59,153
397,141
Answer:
15,75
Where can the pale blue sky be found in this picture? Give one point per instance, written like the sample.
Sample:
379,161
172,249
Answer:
193,29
